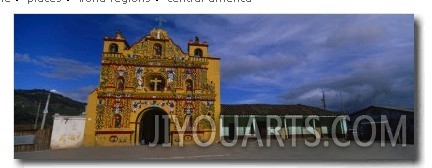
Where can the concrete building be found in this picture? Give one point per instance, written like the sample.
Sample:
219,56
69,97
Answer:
287,121
67,132
386,120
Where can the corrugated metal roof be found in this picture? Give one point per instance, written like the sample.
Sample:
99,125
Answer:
405,110
272,109
397,108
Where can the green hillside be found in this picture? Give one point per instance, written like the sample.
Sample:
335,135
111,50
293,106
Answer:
26,104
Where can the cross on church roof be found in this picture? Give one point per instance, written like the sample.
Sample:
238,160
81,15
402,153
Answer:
160,20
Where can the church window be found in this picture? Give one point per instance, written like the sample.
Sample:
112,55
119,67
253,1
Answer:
158,49
198,52
113,48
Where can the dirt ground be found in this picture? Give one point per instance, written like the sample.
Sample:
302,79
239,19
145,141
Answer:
249,151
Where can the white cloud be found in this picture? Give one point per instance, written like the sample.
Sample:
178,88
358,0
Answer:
80,94
55,91
19,57
248,101
22,57
63,68
59,67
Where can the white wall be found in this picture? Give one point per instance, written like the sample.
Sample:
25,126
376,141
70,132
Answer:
68,132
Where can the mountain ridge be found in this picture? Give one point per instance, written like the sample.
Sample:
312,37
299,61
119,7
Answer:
26,103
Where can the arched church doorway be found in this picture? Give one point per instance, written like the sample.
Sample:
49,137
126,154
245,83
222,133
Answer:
154,126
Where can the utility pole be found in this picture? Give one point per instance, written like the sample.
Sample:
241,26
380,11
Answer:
323,99
342,103
37,116
45,112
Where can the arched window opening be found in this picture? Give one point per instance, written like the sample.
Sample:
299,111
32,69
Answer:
158,49
113,48
198,52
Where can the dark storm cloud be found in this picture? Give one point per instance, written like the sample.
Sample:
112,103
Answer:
387,79
290,58
241,66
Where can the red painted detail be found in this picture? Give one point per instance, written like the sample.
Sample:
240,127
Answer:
190,132
114,132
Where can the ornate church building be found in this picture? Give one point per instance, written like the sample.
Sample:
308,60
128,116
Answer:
153,92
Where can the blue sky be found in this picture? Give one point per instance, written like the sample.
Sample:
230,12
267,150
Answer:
275,59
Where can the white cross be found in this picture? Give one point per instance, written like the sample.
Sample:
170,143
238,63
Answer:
160,20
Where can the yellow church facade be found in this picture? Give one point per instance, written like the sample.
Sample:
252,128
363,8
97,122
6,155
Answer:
151,92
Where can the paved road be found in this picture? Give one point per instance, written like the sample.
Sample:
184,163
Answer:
252,151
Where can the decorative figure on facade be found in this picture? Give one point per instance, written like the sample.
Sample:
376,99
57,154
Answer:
120,83
168,87
208,103
138,76
170,74
117,107
140,82
138,72
121,72
170,78
188,108
157,50
154,104
171,106
188,73
188,98
189,85
117,122
135,106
